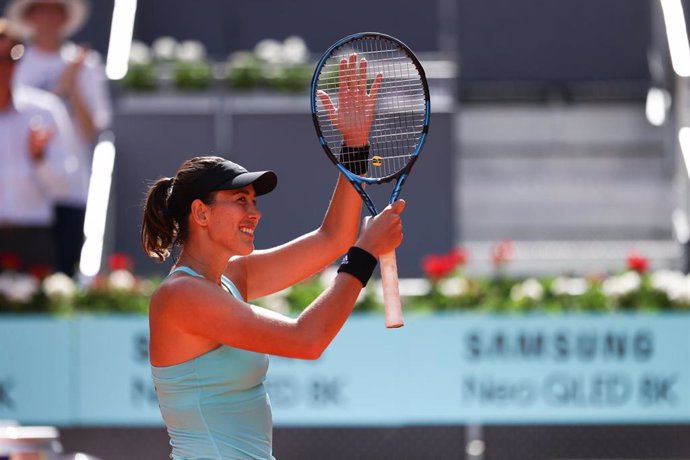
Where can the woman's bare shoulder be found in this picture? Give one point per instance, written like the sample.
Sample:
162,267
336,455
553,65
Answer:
175,290
172,306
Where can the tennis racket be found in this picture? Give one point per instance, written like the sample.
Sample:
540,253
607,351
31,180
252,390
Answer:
374,83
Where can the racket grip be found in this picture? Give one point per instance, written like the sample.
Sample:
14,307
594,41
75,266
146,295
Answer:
391,291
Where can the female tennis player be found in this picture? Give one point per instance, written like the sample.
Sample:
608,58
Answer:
209,346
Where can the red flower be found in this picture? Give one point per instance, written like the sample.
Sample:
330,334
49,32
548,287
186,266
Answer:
9,261
40,271
437,266
119,261
502,253
459,255
637,262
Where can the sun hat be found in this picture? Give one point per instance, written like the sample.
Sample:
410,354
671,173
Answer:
77,13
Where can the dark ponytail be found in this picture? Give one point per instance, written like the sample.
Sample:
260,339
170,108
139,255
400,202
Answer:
167,204
158,230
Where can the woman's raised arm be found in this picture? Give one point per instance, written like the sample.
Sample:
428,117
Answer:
199,307
267,271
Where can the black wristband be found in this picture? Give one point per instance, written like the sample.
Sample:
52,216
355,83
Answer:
356,159
358,263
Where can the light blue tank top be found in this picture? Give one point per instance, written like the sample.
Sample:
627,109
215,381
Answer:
215,406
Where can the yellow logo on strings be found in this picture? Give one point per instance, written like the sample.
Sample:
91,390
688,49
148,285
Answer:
376,160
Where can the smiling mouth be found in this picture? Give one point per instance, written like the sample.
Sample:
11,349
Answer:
247,231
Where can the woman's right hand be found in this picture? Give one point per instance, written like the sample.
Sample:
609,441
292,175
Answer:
382,233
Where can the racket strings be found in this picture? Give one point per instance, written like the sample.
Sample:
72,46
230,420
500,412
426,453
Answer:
400,110
372,160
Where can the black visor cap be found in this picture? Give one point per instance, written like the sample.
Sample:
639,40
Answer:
231,176
263,182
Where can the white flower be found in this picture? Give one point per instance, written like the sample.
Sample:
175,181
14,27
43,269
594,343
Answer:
269,50
277,301
618,286
5,283
240,58
327,276
139,53
121,279
145,287
454,286
412,287
18,287
669,282
681,293
674,284
295,50
569,286
191,51
530,289
164,48
59,285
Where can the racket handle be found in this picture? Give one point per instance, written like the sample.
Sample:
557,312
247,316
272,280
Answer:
391,292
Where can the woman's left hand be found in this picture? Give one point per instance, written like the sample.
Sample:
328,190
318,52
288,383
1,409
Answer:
68,79
355,110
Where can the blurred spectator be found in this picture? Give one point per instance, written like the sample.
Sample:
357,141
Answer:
35,134
74,73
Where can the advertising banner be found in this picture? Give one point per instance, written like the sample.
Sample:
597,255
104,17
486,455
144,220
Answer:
438,369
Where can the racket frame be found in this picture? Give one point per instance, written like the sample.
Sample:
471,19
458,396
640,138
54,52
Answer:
399,176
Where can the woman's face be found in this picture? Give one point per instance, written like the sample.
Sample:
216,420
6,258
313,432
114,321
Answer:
233,218
46,19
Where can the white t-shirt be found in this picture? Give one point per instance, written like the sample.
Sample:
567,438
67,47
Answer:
29,189
42,70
